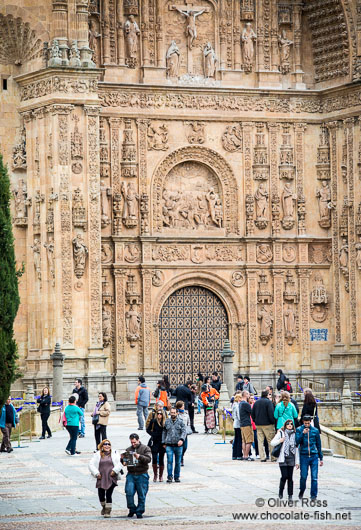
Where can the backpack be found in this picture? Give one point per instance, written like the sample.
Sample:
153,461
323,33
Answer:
289,387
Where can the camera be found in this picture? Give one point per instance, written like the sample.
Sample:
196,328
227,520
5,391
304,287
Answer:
129,459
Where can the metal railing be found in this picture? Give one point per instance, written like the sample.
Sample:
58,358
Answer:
315,386
320,396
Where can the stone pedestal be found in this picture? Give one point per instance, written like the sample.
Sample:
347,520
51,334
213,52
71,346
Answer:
58,362
227,358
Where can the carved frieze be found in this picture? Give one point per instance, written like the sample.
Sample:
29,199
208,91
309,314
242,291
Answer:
59,83
232,138
197,253
157,137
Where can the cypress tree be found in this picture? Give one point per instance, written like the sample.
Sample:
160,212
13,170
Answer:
9,293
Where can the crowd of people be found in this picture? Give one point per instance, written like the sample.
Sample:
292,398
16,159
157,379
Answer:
268,425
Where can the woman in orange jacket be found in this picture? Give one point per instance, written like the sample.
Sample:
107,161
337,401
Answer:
209,395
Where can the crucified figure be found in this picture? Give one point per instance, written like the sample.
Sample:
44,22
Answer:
190,15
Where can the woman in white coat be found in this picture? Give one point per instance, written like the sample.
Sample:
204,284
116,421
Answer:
288,457
105,467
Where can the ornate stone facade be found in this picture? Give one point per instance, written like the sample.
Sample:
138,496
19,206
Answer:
191,174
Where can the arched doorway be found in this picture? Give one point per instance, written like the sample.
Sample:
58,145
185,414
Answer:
193,324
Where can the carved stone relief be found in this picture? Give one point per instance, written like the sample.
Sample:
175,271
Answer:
37,259
195,132
78,210
264,295
19,152
131,32
232,139
260,154
290,294
288,199
210,60
238,278
262,206
320,253
248,39
191,198
157,137
343,257
324,204
38,199
129,151
289,317
19,43
173,60
49,245
266,324
157,278
132,253
105,194
21,204
53,197
106,253
130,212
286,168
289,253
285,51
319,300
264,253
323,155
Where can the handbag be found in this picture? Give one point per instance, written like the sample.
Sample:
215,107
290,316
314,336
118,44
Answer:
95,419
150,442
276,450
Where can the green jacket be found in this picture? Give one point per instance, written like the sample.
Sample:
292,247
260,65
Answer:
72,414
283,413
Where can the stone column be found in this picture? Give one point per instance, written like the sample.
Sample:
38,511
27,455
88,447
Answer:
227,359
347,405
58,362
105,33
120,32
60,21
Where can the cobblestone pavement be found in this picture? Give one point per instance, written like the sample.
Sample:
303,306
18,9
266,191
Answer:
42,488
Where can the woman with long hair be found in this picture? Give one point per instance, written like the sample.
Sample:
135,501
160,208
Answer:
155,429
44,408
100,417
105,467
310,408
237,453
184,416
288,457
285,410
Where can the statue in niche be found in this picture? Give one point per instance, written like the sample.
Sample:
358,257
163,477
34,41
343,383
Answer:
173,59
19,152
319,301
80,252
358,254
37,258
343,257
20,197
106,326
132,32
212,199
157,137
288,199
218,213
264,315
130,204
51,260
285,49
248,38
290,324
210,60
264,253
38,199
324,201
232,138
133,320
191,15
105,192
93,40
74,55
261,198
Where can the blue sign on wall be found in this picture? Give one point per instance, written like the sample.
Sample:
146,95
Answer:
318,334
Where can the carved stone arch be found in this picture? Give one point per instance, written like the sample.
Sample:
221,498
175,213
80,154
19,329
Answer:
224,291
217,164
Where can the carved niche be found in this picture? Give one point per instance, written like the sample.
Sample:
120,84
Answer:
209,200
21,204
324,204
18,42
319,300
192,198
260,154
78,210
129,151
323,155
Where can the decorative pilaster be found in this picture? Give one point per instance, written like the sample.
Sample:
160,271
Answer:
304,290
278,285
119,275
252,317
114,153
248,183
275,198
299,161
147,321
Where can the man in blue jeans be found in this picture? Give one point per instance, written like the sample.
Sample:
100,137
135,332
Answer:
136,458
82,401
308,440
173,437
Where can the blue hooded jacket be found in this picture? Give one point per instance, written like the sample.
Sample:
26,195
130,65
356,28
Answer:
3,417
309,443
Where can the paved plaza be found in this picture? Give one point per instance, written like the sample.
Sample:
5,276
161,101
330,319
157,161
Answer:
43,488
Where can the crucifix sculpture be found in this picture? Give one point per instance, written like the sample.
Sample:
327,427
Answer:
191,12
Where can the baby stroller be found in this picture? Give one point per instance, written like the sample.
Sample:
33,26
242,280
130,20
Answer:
211,418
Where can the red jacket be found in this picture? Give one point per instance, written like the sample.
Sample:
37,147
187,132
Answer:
212,393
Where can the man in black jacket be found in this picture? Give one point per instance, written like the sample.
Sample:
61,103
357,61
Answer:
240,383
263,416
82,401
281,380
183,393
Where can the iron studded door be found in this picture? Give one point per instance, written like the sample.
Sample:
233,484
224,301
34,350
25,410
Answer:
192,327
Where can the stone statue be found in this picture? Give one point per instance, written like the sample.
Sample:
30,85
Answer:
358,254
218,213
19,152
212,198
104,201
210,59
38,199
261,198
266,324
343,257
93,40
191,15
130,203
74,54
172,59
157,137
80,252
285,49
55,54
248,38
133,320
170,207
324,201
20,195
51,260
37,258
290,324
232,138
132,32
106,326
288,199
